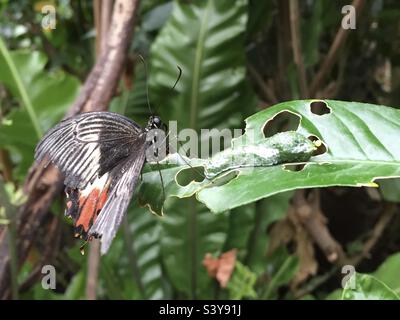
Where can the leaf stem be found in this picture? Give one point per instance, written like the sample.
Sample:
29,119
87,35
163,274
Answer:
21,88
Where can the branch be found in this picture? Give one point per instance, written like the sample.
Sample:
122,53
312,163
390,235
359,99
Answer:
309,213
386,216
6,166
103,79
102,9
267,92
296,47
42,185
333,53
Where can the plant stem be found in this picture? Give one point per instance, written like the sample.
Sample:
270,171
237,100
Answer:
21,88
271,286
12,246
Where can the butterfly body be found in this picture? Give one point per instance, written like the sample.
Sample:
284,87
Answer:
101,155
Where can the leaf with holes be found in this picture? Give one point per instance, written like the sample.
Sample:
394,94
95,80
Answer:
358,140
358,147
367,287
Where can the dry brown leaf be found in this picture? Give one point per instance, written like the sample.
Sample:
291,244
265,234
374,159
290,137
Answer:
291,229
307,263
221,268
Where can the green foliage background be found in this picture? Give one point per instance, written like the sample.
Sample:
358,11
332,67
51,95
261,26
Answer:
218,44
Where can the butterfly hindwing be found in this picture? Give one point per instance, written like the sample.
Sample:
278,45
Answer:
86,146
83,206
121,190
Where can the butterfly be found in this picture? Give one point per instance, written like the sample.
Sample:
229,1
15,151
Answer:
101,155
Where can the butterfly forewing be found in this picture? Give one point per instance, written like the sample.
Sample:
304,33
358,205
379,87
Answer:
101,155
88,145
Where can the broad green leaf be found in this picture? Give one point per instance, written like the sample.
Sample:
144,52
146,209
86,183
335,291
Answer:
367,287
267,212
390,189
388,272
360,149
206,40
144,232
50,94
241,224
188,234
13,79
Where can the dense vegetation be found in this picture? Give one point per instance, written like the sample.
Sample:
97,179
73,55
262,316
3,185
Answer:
281,232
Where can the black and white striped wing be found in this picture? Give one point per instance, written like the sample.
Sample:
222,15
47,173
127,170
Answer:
88,145
123,185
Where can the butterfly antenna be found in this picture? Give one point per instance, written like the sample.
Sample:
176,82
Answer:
179,76
147,82
184,160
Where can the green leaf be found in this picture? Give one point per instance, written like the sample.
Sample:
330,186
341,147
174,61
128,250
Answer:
390,189
187,235
144,230
210,54
76,287
360,147
241,284
367,287
311,31
13,78
267,212
241,224
388,272
285,266
49,93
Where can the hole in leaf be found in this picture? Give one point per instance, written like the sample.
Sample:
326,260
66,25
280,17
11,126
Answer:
320,108
295,167
282,121
224,178
321,148
188,175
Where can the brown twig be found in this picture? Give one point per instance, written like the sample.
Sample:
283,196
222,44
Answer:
386,216
42,185
50,249
6,165
267,92
333,53
296,47
309,212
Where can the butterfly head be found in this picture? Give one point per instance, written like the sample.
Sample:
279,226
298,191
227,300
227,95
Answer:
156,123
